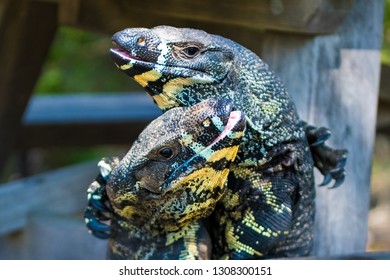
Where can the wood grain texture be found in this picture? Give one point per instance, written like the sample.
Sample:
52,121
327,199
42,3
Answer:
302,16
334,80
96,119
27,29
61,191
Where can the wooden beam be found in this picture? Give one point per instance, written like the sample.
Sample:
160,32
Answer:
83,108
61,191
355,256
300,16
85,119
27,29
334,80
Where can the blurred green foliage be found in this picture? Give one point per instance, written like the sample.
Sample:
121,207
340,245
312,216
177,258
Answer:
79,62
386,34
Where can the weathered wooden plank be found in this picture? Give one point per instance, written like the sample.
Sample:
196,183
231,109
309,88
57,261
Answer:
302,16
90,108
44,230
68,11
2,8
49,236
26,31
355,256
85,119
334,80
79,135
62,191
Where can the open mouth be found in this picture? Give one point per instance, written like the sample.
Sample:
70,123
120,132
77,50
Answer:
121,52
122,57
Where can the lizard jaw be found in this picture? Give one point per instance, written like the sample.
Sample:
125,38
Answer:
124,60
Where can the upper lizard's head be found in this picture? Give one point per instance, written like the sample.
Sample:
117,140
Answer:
173,65
176,170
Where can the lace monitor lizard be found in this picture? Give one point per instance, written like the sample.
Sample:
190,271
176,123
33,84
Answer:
171,178
268,210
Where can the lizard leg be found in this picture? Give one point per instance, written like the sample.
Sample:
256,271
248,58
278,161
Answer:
99,212
268,211
255,217
329,161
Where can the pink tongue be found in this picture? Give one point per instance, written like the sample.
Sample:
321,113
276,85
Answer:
234,117
122,53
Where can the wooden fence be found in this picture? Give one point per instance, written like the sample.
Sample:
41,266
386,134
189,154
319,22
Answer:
327,53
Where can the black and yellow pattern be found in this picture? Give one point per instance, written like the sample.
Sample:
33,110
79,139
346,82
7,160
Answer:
171,178
268,209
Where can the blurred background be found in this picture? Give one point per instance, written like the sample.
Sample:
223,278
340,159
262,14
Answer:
79,62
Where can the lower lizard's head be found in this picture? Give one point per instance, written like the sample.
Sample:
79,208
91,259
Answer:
176,170
173,65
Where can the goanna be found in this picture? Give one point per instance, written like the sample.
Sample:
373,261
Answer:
268,210
171,178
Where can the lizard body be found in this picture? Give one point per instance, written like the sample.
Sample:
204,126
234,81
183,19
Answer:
268,210
170,179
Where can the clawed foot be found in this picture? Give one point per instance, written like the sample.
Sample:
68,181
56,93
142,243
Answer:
97,215
99,212
330,162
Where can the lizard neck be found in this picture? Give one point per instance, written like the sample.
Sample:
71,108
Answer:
271,114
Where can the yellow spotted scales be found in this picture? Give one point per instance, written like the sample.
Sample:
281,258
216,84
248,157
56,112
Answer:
169,181
268,209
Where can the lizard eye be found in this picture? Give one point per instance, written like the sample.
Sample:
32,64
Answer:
191,51
166,152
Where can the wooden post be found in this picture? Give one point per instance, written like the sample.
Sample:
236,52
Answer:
62,191
334,80
27,29
302,16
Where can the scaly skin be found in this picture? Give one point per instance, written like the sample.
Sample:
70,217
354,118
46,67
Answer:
171,179
268,210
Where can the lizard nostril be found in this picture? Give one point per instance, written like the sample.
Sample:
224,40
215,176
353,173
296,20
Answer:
206,122
141,41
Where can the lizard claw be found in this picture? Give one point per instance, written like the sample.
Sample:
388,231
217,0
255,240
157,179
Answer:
317,136
99,212
330,162
93,222
100,203
327,179
339,177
